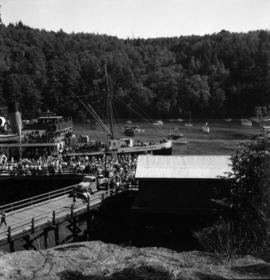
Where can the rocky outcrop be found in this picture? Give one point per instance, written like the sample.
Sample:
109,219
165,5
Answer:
100,261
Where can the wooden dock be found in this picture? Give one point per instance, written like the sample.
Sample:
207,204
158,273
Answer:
48,213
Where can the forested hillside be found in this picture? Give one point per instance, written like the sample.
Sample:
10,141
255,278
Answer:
220,75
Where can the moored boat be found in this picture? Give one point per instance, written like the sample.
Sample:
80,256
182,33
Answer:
41,137
246,122
127,146
206,128
158,123
177,139
131,131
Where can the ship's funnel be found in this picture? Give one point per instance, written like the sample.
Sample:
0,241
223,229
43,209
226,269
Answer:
14,116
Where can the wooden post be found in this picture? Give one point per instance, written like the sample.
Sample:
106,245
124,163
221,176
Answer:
45,238
88,221
10,241
33,225
73,221
53,218
97,182
71,210
56,235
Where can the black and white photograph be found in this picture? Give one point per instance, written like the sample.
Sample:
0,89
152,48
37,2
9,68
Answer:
134,139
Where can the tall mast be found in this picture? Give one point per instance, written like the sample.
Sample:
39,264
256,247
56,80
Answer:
110,111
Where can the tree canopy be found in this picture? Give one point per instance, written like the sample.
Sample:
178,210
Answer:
218,75
244,225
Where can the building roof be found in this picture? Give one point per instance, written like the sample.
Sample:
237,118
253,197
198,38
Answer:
182,167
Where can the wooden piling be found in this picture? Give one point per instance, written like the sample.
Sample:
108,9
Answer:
33,225
88,226
45,233
53,218
56,235
10,240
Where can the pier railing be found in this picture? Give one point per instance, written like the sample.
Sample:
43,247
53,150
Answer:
49,217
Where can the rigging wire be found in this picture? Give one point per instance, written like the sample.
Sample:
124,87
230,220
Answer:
93,113
147,120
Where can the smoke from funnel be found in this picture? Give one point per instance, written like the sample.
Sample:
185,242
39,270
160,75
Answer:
14,116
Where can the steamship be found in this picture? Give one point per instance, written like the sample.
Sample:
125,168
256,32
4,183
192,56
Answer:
42,137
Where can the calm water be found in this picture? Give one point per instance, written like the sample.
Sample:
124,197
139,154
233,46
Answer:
224,137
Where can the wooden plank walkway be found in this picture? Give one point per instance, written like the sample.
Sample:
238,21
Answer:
47,212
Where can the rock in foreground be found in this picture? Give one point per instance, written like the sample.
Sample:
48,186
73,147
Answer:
100,261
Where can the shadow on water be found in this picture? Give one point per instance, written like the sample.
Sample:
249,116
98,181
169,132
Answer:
117,223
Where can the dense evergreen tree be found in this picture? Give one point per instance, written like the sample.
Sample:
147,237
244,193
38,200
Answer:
207,76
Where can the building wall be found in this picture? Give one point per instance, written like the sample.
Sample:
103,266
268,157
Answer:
169,195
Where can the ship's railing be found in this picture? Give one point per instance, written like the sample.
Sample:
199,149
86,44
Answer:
42,172
49,217
14,206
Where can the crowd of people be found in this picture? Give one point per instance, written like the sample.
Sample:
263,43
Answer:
109,172
118,169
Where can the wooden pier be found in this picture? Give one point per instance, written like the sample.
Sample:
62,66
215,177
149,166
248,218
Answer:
33,218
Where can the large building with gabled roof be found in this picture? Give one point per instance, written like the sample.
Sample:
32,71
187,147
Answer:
180,184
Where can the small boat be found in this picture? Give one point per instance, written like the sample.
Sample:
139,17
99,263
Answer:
158,123
206,128
177,139
130,131
246,122
9,138
228,120
180,120
139,130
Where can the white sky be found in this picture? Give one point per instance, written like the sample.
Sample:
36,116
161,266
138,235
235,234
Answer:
140,18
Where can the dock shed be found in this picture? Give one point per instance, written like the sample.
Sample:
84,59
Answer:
180,184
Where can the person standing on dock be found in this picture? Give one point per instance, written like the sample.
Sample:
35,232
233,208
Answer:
3,158
3,219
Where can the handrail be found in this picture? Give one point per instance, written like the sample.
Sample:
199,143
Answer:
38,218
44,172
36,221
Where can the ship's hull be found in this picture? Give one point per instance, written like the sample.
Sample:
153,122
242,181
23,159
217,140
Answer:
156,149
9,138
206,130
181,141
19,187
